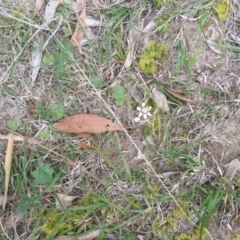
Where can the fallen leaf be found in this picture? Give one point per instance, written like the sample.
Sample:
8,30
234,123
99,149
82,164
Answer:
64,201
233,168
12,220
134,41
36,57
220,49
89,236
149,27
78,33
160,100
178,95
38,6
86,123
8,163
135,92
50,10
87,146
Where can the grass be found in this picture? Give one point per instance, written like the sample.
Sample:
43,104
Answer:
172,189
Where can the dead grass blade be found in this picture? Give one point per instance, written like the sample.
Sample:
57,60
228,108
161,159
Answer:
15,138
233,168
178,95
36,57
8,163
79,32
87,146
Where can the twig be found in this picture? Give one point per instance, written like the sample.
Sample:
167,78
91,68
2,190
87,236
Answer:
8,163
69,161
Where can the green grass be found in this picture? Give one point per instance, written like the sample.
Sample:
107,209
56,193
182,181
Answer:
174,190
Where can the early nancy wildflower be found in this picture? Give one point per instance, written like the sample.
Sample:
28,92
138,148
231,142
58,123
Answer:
143,114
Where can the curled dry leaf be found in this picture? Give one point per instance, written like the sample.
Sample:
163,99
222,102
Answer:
50,10
12,220
86,123
63,200
89,236
233,168
160,100
79,31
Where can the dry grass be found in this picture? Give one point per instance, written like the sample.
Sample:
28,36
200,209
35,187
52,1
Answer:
173,189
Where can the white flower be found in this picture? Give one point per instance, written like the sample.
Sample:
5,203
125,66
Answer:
143,113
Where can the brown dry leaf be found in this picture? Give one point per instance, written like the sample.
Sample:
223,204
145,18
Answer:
89,236
50,10
78,33
178,95
87,146
65,201
233,168
38,6
12,220
8,163
86,123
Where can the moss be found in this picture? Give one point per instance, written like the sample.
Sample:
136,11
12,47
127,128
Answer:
177,212
153,55
236,236
184,236
222,9
151,191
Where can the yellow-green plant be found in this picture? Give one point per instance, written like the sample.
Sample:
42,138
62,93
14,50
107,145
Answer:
222,9
153,55
154,123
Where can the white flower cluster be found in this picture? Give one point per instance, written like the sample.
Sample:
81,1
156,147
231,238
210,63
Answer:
143,114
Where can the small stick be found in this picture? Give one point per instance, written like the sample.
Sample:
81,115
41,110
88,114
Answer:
69,161
8,163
